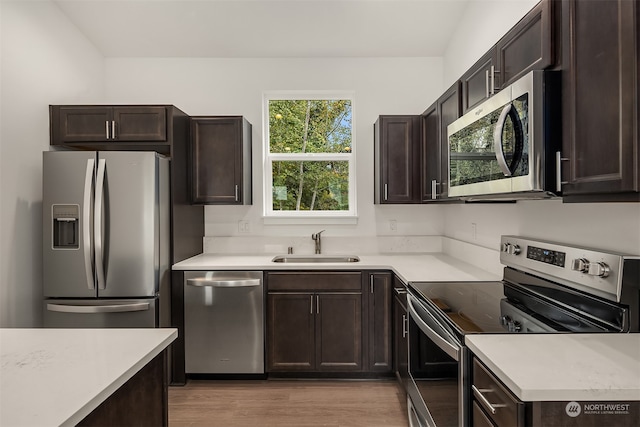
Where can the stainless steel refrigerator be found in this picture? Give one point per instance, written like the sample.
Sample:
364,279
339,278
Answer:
106,239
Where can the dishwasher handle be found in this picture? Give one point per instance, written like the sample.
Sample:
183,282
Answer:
224,282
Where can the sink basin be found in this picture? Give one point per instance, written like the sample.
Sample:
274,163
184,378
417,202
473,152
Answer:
315,258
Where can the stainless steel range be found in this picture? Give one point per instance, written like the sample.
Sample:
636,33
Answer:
568,289
547,287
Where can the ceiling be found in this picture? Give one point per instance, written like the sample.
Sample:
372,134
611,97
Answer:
266,28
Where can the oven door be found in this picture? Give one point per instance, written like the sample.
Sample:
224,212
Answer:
436,368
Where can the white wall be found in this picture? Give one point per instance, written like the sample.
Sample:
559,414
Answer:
480,27
45,60
235,86
608,225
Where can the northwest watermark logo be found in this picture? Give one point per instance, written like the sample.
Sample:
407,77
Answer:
573,409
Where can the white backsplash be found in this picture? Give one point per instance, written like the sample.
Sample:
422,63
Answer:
478,256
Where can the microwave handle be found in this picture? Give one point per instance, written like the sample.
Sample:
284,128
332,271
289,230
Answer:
497,140
506,169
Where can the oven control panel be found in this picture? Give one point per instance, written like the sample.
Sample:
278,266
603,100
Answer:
546,255
589,270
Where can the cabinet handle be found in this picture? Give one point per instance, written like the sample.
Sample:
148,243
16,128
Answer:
386,192
317,304
434,189
481,397
106,125
400,291
559,181
113,129
311,312
486,83
405,326
493,80
236,192
371,284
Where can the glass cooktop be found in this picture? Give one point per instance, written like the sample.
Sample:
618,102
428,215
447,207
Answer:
474,307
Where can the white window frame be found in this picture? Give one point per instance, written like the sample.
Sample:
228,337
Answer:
314,217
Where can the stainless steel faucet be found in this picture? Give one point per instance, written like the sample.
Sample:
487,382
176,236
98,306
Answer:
317,238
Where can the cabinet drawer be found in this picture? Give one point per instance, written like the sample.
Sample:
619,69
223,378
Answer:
487,390
315,281
480,419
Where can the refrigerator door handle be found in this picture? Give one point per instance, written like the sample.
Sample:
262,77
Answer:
97,226
92,309
86,224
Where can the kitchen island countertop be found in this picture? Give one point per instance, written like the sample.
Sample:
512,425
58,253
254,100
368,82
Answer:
57,377
563,367
410,267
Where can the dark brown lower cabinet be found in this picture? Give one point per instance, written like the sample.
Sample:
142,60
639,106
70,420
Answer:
290,332
494,405
400,333
493,400
314,322
379,322
314,332
141,401
338,332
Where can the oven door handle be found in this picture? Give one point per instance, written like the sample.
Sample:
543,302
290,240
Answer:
446,346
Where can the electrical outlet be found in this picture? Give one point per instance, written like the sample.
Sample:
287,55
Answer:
474,231
393,225
244,226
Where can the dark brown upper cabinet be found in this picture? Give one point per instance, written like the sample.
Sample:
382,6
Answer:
435,143
397,159
600,100
221,160
431,153
529,45
136,123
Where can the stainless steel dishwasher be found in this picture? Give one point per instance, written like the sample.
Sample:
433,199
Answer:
224,322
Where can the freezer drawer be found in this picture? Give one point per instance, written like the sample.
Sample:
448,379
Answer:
224,322
111,313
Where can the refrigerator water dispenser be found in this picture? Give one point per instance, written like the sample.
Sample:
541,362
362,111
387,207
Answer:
65,226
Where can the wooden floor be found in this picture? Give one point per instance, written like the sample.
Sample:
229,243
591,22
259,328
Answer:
280,403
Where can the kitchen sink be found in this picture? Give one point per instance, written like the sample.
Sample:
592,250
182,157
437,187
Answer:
315,258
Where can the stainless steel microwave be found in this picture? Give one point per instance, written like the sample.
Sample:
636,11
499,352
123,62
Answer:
506,147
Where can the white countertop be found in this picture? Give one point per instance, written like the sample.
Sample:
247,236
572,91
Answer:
410,267
55,377
563,367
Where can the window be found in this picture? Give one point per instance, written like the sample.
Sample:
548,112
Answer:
309,155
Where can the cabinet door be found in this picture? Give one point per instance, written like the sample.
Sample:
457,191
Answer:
431,148
600,98
339,332
398,159
217,160
379,322
290,332
527,46
80,124
139,123
401,340
479,82
449,109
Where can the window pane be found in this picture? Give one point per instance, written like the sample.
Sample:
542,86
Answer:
310,126
310,186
